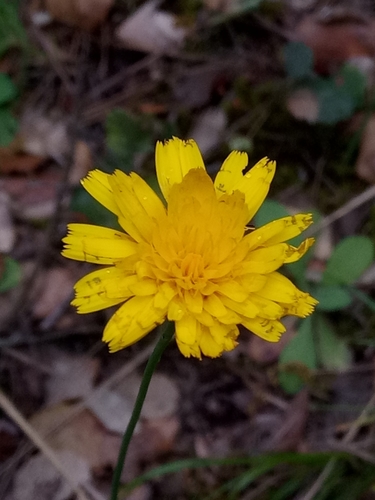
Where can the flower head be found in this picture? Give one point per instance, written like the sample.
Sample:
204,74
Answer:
193,261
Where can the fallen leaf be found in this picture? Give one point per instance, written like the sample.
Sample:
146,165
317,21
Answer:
45,136
83,434
82,163
18,162
34,196
162,396
52,289
208,129
194,87
324,244
85,14
336,41
151,30
303,104
7,229
365,164
112,409
37,478
72,376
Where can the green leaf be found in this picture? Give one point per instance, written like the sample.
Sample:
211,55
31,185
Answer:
335,103
332,297
298,60
12,31
8,127
126,136
354,83
350,258
340,95
297,359
95,212
11,275
334,353
286,490
8,90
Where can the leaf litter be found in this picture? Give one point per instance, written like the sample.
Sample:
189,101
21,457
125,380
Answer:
103,82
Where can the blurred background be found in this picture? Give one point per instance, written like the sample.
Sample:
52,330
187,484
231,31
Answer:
94,84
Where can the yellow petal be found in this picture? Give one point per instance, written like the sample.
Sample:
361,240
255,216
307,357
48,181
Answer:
246,308
204,318
192,197
176,310
164,295
233,213
233,290
139,206
103,288
214,306
187,329
97,184
174,158
279,230
224,335
99,245
144,287
193,301
189,350
255,185
295,253
230,173
269,330
280,289
266,260
131,322
209,346
267,308
302,307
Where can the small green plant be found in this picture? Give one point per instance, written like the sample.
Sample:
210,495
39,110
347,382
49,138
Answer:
10,274
8,123
12,32
286,473
339,95
317,344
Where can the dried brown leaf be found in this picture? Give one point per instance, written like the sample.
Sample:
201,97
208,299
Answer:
85,14
7,229
82,162
18,162
72,376
162,396
38,478
55,286
83,435
303,104
365,165
336,41
151,30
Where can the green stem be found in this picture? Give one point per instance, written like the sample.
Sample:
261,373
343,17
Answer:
154,359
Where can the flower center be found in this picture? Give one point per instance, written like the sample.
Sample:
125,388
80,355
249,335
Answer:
192,269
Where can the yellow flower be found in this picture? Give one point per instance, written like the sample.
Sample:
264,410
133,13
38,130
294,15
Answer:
193,261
